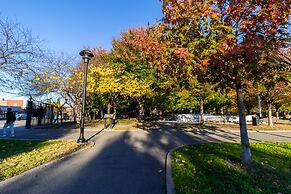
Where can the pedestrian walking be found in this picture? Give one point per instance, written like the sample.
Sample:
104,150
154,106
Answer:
56,118
10,119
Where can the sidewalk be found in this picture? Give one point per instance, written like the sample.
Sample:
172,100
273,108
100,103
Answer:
68,132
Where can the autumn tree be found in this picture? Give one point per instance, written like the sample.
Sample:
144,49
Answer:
113,83
274,90
131,52
187,30
231,41
283,102
284,99
180,99
201,93
56,80
257,27
218,101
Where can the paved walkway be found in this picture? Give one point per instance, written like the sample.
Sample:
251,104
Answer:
129,162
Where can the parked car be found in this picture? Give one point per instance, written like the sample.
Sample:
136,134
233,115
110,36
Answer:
21,116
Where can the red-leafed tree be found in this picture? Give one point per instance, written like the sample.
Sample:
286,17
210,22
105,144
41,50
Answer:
231,41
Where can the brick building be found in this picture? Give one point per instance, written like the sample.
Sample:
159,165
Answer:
12,103
17,106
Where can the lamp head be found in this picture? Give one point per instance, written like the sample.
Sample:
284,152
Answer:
86,55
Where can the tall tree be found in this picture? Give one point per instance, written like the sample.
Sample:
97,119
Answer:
131,52
232,40
56,80
257,27
274,89
19,53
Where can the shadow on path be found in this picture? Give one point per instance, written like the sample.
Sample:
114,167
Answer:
61,131
123,162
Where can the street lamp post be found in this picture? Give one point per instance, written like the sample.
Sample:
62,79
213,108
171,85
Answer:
259,107
86,56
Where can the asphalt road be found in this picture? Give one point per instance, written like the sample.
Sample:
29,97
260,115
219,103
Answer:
18,123
124,162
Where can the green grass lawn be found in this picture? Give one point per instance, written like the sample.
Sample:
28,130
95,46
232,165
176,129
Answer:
17,156
120,124
217,168
134,124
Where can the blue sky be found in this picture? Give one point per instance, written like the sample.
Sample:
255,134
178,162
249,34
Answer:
69,25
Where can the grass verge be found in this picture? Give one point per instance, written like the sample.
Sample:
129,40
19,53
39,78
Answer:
17,156
222,126
120,124
217,168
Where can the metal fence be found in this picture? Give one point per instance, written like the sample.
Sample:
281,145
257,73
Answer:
41,114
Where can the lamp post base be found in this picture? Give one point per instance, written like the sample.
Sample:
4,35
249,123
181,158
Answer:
81,140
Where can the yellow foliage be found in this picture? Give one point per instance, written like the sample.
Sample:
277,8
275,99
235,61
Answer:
112,80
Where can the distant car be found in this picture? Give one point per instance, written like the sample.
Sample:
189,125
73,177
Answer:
21,116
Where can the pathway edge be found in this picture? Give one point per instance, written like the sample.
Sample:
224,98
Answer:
169,178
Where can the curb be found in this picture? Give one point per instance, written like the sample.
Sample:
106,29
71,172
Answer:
170,186
265,131
45,165
121,130
253,131
258,131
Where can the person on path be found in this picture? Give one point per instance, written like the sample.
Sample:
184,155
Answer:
10,119
56,118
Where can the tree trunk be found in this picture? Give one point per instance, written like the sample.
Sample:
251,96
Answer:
141,103
75,115
246,151
217,111
114,112
270,119
92,114
52,114
58,118
96,115
201,118
102,113
108,107
61,113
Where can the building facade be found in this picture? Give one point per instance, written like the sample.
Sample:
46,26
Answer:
12,103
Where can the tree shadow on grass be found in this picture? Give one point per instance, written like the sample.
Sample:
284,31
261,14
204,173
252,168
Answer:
14,147
11,148
217,168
